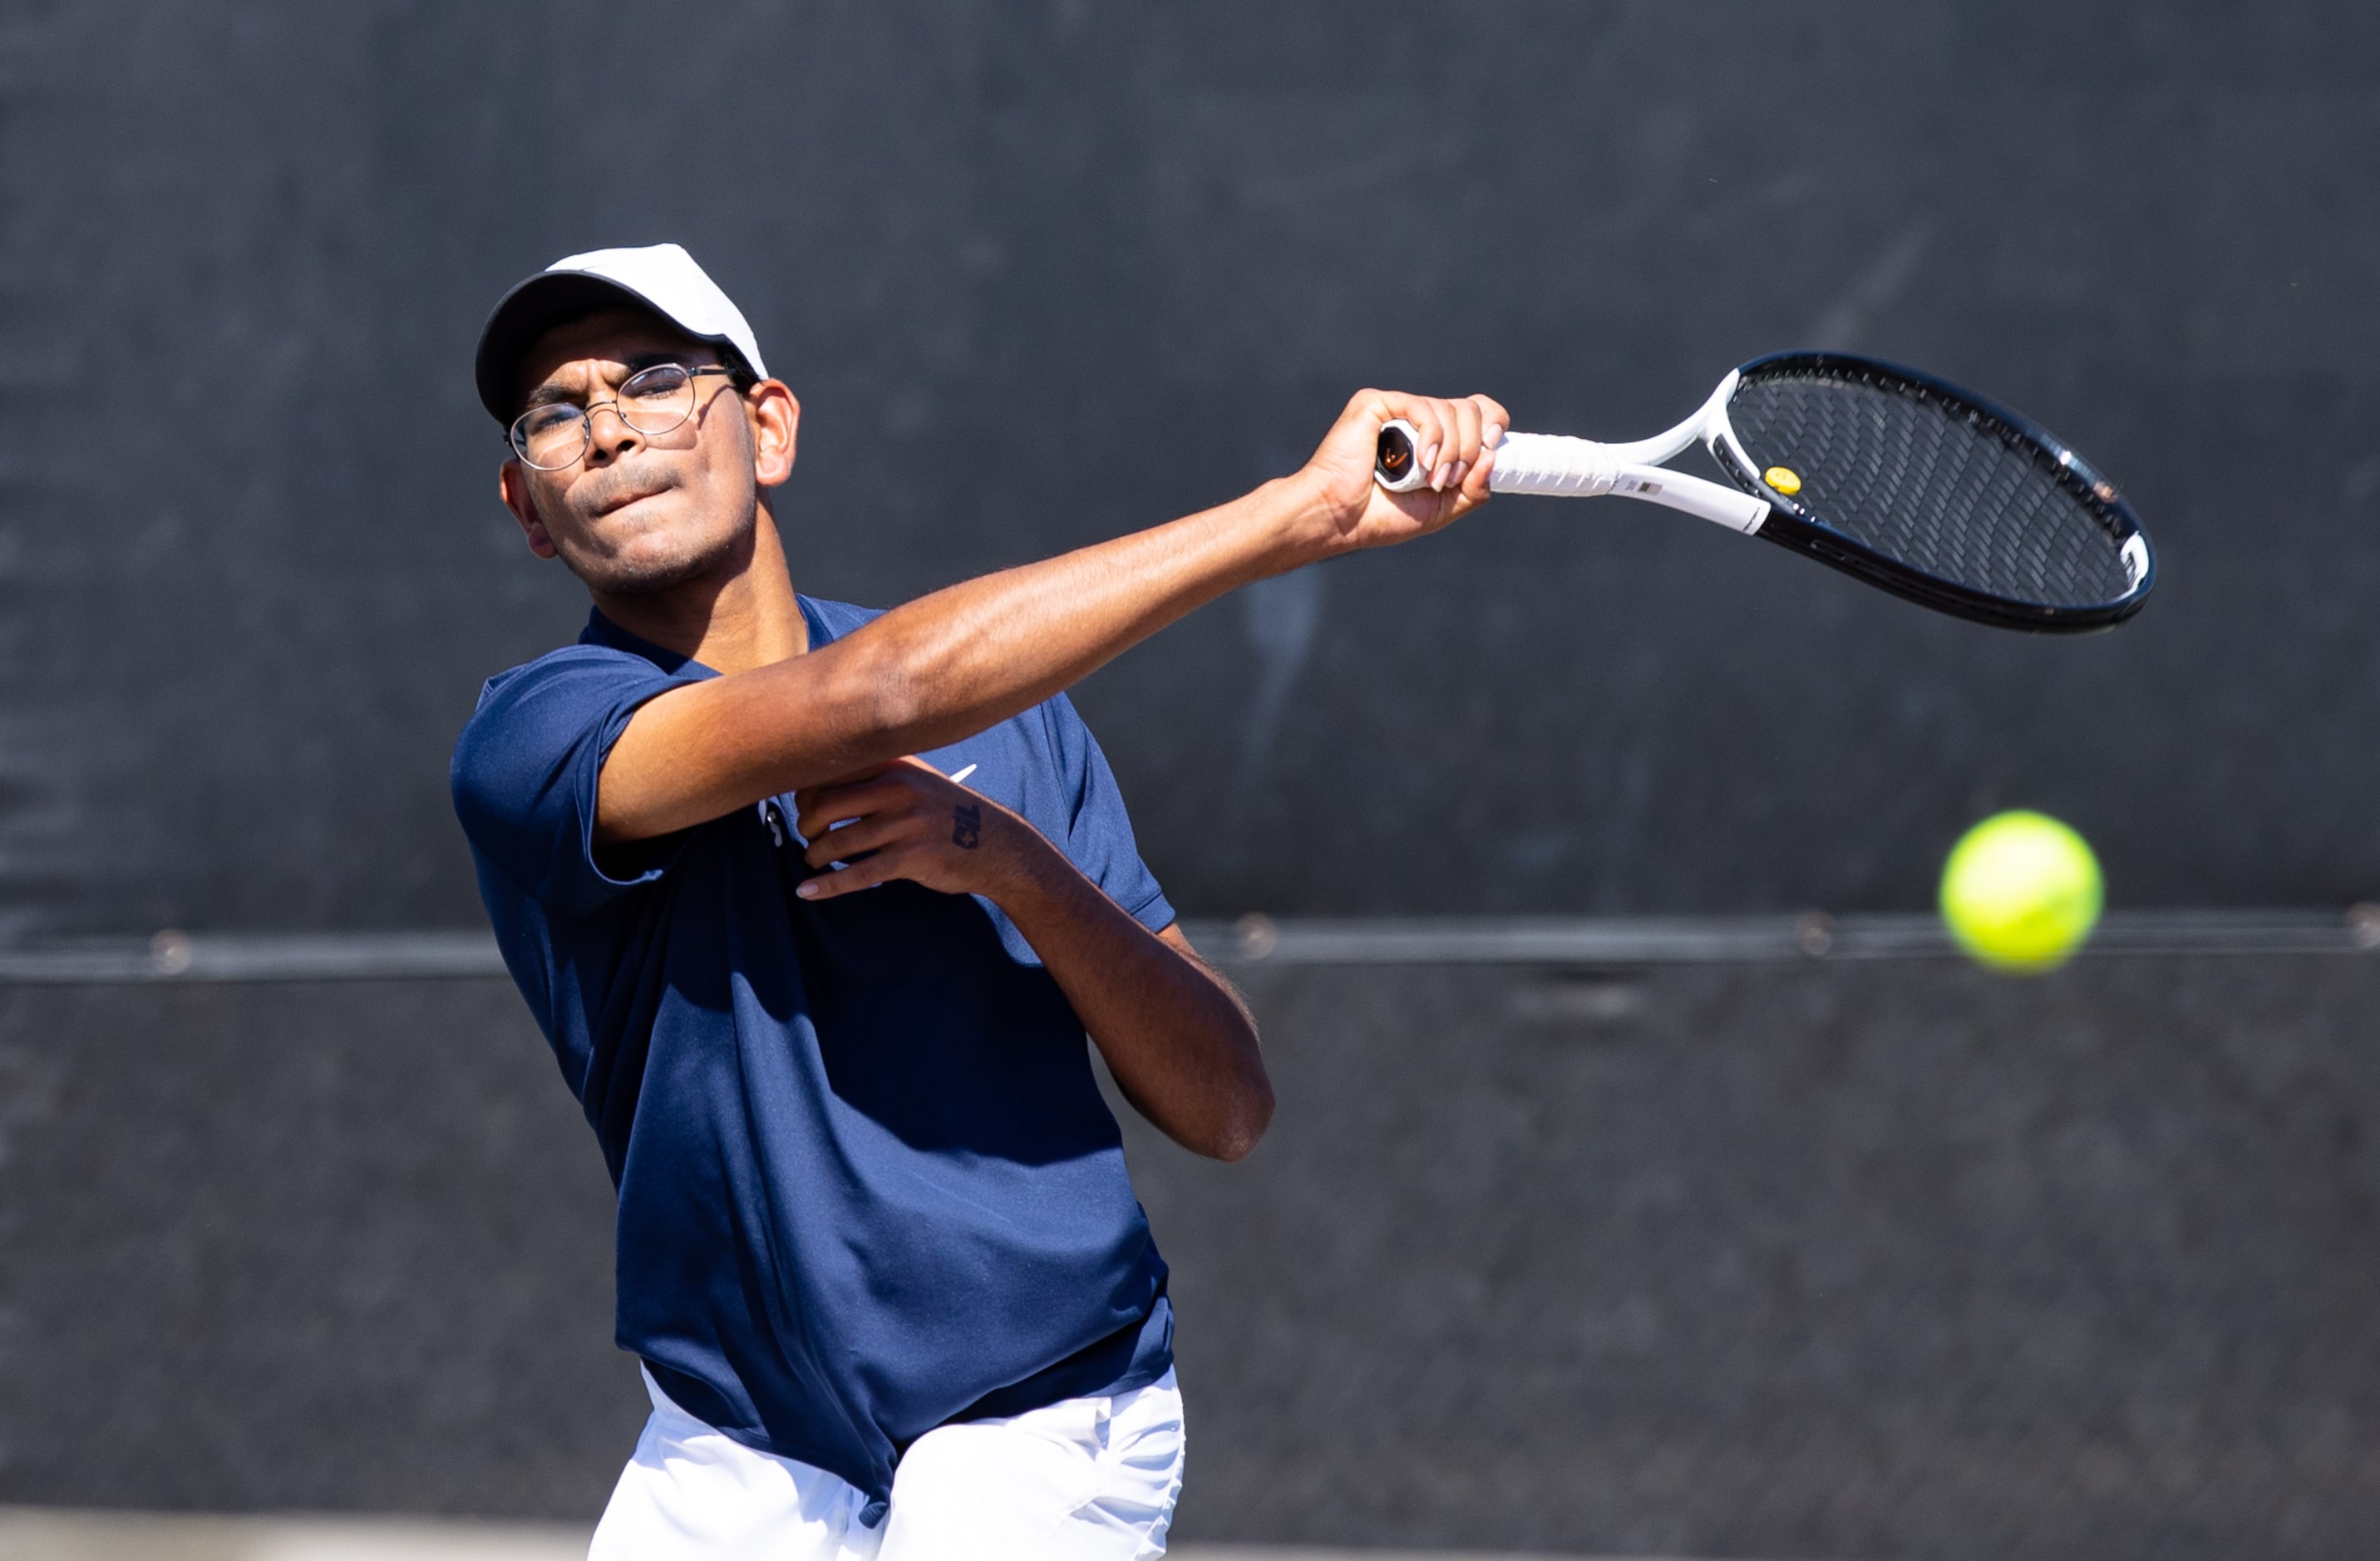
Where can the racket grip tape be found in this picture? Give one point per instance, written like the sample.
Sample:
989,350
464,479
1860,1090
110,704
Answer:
1526,462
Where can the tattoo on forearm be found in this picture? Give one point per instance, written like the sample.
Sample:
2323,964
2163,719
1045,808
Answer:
966,826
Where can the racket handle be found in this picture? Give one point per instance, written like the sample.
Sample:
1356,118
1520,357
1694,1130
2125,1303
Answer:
1526,462
1551,465
1573,469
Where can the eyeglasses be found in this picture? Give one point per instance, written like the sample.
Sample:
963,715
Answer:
651,400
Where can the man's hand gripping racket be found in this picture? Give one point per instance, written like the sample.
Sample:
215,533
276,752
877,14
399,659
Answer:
1901,480
1456,439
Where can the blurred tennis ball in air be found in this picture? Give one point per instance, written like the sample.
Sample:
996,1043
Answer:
2020,891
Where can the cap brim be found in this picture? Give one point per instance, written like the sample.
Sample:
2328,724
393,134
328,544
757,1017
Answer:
548,299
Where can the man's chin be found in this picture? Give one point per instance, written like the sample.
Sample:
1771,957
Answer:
657,544
642,576
648,564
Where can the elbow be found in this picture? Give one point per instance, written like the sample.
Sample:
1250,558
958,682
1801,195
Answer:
1243,1123
890,694
872,686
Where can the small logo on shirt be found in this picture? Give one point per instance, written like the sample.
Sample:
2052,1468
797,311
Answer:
966,826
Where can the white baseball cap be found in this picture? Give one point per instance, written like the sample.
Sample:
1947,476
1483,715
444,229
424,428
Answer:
659,277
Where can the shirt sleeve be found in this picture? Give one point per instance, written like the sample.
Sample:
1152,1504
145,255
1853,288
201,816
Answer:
1098,837
525,769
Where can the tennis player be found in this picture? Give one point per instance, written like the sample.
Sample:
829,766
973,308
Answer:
877,1250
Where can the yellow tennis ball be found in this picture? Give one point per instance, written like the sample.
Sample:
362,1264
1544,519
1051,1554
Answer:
2020,891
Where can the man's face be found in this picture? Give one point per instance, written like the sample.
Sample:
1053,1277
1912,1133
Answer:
641,512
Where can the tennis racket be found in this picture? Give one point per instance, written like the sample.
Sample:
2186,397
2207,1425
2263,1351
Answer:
1892,476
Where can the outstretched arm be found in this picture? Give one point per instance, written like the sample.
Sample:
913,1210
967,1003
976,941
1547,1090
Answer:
1177,1038
952,664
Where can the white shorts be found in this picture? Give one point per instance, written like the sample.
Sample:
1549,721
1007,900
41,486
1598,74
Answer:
1082,1480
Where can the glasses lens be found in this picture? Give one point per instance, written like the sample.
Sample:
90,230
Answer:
657,400
550,437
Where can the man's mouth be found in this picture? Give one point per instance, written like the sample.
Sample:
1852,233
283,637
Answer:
628,490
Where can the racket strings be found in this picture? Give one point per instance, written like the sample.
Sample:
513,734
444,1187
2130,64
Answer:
2022,544
1949,491
1933,486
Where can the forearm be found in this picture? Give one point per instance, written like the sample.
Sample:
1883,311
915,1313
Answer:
944,666
1176,1037
961,660
954,662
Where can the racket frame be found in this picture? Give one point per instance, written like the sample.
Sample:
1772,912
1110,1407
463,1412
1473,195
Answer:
1794,525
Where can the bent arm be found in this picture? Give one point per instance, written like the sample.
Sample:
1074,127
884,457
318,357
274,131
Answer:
957,662
1174,1033
1180,1043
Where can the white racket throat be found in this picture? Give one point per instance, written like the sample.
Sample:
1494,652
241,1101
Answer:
1560,466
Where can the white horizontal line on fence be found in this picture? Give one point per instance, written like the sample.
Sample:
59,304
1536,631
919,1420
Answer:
429,955
314,956
1749,939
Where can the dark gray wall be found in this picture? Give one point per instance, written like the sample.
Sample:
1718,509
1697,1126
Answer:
1818,1260
1042,273
301,1246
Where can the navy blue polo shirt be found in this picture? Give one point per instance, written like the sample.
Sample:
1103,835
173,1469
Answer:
867,1182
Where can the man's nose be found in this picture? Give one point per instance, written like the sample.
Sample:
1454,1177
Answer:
608,437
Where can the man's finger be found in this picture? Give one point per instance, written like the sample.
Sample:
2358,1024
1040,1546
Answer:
881,868
1429,434
1474,490
825,809
1467,423
1438,451
804,795
872,833
1491,434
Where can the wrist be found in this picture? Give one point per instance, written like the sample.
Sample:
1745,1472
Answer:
1301,520
1029,874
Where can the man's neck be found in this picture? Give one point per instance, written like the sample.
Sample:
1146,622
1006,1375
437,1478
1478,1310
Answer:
745,618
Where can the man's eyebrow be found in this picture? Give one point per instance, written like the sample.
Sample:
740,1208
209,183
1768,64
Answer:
635,362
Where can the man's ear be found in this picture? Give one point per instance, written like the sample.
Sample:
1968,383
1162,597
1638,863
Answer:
512,485
776,425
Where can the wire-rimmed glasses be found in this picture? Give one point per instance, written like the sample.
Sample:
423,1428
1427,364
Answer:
652,401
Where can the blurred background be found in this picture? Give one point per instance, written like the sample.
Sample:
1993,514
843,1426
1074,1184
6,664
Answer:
1707,1240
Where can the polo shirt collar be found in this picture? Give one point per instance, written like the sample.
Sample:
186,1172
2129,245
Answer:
601,631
